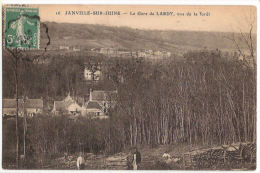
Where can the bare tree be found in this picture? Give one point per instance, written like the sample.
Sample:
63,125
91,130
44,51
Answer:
19,56
245,44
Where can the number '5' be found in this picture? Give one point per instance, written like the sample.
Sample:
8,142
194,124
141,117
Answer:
9,39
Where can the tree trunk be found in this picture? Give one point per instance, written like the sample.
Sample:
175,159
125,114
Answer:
24,130
17,112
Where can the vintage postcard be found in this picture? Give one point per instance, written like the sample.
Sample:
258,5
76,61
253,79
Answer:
128,87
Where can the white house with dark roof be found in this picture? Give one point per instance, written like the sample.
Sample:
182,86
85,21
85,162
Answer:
95,110
68,105
30,106
99,103
104,98
92,75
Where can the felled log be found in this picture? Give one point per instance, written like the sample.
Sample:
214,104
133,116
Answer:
213,157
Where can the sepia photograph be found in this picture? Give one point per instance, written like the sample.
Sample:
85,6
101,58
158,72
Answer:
128,87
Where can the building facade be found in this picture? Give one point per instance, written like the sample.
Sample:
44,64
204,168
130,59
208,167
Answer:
99,103
30,107
67,106
92,75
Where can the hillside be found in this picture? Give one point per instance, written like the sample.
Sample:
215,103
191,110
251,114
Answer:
88,36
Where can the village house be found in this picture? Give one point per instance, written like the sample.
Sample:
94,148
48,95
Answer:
124,54
68,106
149,52
141,54
29,106
168,54
92,75
76,49
105,98
158,53
108,51
99,103
64,47
94,110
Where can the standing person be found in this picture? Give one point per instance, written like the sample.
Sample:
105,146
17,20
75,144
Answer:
80,161
136,159
134,163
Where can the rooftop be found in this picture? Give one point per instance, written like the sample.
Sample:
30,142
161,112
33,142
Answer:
29,103
99,95
93,105
60,105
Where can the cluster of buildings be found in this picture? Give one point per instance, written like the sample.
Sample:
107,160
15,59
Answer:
97,106
69,48
150,54
29,106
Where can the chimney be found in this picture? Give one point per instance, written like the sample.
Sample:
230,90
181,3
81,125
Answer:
90,94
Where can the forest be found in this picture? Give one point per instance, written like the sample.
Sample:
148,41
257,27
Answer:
206,98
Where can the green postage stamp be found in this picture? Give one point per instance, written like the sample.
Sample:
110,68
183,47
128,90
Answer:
22,27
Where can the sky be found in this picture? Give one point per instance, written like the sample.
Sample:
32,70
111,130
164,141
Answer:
221,18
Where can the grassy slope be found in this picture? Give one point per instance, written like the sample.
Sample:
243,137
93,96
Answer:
97,36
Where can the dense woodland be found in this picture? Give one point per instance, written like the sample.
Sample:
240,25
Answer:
204,99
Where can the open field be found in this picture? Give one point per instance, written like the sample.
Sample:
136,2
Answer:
183,157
